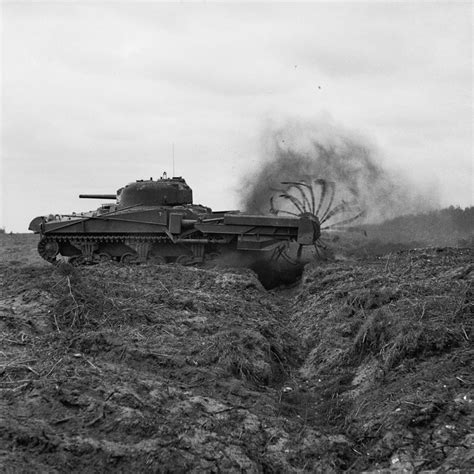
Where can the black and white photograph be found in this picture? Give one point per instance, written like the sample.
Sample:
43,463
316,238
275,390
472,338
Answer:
236,236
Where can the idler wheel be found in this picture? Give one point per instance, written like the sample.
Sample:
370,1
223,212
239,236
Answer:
48,249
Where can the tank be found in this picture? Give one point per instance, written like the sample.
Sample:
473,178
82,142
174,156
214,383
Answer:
156,221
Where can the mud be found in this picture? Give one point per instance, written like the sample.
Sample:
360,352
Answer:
365,365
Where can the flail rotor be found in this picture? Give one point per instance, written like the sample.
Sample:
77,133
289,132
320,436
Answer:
315,198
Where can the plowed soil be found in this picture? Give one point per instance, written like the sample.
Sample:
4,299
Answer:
365,365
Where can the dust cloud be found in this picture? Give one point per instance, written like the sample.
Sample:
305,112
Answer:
306,151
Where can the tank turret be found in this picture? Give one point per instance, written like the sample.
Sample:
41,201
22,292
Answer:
162,192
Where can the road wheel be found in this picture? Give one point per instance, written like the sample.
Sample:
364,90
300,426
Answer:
128,258
103,257
77,260
185,260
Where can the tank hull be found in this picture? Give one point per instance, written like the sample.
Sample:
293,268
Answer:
184,233
165,235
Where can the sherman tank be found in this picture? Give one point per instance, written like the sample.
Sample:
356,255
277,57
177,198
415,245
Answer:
156,221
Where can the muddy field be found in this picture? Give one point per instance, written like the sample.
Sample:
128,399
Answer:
365,365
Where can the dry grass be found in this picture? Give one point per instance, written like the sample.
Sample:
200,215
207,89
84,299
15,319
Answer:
394,338
389,342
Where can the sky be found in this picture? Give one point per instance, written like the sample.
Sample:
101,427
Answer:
97,94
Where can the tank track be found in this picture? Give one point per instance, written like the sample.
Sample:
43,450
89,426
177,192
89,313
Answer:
106,238
49,247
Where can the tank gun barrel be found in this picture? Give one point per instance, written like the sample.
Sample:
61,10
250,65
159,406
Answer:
98,196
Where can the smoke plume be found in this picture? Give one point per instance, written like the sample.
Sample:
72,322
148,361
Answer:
303,152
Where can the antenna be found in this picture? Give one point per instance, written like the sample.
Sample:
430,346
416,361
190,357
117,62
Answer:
173,158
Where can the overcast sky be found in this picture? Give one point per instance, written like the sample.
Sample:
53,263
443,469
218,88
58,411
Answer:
94,94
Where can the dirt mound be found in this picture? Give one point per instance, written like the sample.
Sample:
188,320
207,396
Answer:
143,368
390,353
366,365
